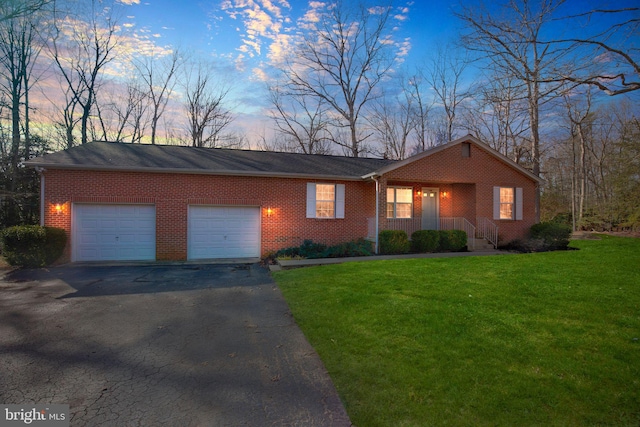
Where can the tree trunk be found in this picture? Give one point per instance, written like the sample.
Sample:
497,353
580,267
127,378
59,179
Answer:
583,175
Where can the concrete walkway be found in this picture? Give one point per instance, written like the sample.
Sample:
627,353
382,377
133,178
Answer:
297,263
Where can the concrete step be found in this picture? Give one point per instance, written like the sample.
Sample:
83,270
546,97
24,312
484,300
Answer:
482,245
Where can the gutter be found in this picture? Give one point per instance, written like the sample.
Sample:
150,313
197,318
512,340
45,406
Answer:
263,174
375,178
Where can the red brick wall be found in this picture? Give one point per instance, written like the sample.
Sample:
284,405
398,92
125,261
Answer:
172,193
469,182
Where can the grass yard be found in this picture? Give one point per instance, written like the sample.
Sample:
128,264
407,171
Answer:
546,339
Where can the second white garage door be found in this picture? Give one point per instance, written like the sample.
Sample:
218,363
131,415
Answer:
224,232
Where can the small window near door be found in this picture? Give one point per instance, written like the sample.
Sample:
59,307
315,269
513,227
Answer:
399,202
466,149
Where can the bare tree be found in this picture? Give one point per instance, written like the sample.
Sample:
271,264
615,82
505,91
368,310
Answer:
499,115
617,70
420,109
592,177
11,9
206,113
136,116
300,120
81,50
445,77
392,121
19,51
511,43
159,75
578,109
121,112
341,62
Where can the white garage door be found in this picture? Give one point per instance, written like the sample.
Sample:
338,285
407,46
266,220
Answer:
224,232
114,232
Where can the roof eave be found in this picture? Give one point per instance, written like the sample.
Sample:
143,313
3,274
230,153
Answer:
261,174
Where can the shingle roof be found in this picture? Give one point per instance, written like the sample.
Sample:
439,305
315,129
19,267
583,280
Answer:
179,159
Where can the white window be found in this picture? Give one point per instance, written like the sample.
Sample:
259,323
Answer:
399,202
507,203
325,200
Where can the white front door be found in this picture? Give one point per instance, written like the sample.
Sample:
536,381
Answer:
223,232
113,232
430,208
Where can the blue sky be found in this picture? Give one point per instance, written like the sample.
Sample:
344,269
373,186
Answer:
242,40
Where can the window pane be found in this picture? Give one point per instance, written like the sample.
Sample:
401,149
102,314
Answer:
506,203
324,209
389,210
391,195
325,192
506,195
403,210
404,195
506,211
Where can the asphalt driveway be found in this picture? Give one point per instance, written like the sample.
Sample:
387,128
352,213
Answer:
188,345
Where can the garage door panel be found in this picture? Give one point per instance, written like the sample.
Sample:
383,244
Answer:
114,232
223,232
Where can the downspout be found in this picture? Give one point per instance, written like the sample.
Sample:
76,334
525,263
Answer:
377,212
40,172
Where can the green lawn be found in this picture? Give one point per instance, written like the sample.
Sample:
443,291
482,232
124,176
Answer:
515,340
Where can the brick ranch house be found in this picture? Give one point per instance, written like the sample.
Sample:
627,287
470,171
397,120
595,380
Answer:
122,201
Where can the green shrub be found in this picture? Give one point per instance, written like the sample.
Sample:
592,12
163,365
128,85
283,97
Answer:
360,247
553,235
309,249
423,241
32,245
393,242
452,240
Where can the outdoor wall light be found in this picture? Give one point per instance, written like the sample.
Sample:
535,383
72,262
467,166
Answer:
444,194
58,208
419,193
269,211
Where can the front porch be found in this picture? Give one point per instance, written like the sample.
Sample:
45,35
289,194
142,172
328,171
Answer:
431,205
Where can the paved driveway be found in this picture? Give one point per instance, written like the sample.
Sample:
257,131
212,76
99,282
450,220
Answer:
189,345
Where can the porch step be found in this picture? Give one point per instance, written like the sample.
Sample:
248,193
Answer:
482,245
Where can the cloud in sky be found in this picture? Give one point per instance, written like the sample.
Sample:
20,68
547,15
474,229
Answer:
262,21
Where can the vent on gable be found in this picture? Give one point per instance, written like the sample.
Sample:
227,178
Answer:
466,149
